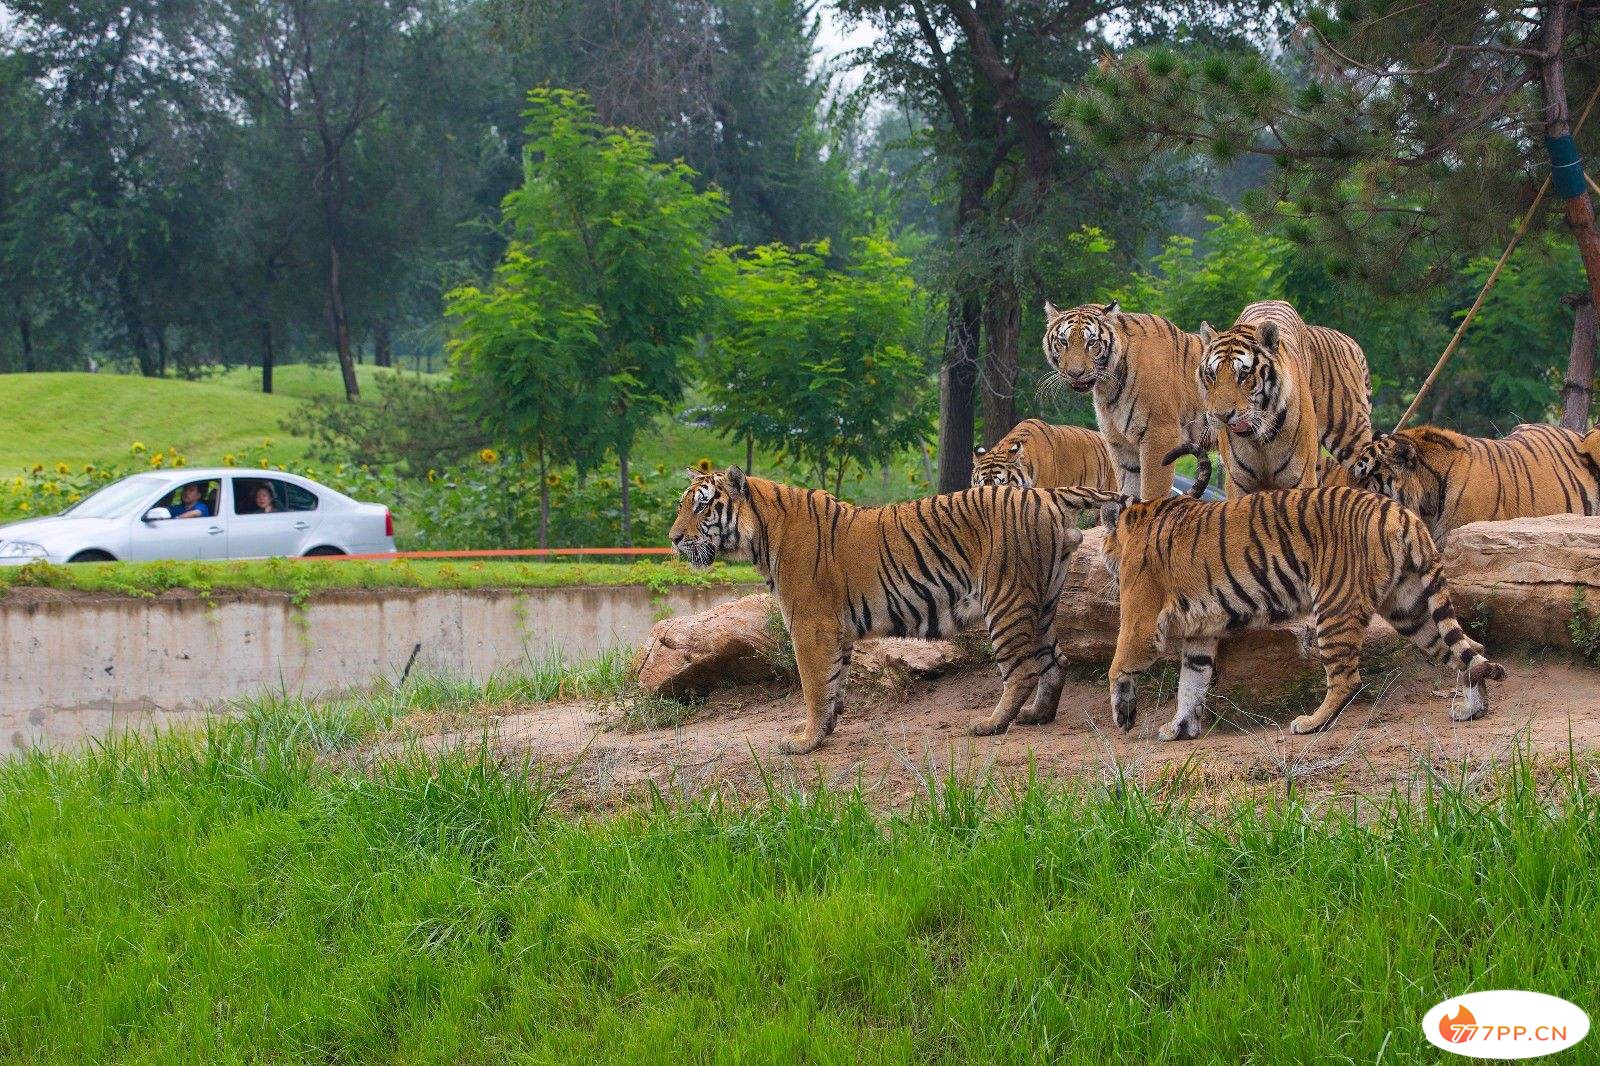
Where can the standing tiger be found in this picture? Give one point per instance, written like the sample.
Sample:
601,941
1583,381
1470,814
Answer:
1450,479
918,569
1038,455
1190,572
1142,371
1275,389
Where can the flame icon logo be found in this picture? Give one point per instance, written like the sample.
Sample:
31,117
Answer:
1458,1028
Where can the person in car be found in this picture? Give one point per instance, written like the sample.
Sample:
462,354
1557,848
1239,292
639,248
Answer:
192,505
265,504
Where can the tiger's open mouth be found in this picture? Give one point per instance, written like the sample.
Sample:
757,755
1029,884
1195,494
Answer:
1081,386
1241,426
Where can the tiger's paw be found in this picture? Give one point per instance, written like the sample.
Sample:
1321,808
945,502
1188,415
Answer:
987,727
1033,717
1306,723
800,743
1180,729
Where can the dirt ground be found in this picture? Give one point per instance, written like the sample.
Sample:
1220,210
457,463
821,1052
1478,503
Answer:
898,736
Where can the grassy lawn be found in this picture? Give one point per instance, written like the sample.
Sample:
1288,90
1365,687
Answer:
307,576
93,418
244,895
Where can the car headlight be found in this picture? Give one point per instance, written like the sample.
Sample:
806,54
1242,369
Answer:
22,549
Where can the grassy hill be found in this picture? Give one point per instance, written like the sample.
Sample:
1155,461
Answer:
93,418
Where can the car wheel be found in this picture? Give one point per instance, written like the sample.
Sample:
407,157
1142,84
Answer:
93,555
323,550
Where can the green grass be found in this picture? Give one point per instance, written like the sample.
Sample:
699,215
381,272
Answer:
245,895
94,418
308,576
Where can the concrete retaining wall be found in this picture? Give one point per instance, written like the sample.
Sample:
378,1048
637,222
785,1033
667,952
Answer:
74,666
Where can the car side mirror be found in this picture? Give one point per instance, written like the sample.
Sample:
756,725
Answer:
157,514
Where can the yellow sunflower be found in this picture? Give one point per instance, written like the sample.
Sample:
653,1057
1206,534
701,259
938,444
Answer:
488,456
63,468
136,447
704,466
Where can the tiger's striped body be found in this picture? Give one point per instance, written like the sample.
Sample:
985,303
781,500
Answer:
1190,572
1142,371
1036,454
1451,480
1275,390
918,569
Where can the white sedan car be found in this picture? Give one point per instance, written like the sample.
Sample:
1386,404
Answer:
233,514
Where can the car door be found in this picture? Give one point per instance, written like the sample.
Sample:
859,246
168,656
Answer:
181,538
284,530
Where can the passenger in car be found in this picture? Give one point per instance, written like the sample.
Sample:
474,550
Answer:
192,506
265,504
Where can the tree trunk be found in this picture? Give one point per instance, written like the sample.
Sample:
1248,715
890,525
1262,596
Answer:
161,349
1567,181
544,499
958,381
25,338
382,345
339,323
133,324
627,513
749,453
1002,321
268,356
1578,391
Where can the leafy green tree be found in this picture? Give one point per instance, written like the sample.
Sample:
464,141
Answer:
603,294
1405,136
815,363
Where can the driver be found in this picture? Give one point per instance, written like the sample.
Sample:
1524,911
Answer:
192,506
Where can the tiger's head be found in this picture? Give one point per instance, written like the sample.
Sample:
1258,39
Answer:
1004,464
715,518
1239,378
1388,464
1081,344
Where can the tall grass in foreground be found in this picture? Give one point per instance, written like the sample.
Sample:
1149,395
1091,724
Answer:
232,896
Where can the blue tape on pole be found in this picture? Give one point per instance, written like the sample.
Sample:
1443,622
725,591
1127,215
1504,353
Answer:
1566,171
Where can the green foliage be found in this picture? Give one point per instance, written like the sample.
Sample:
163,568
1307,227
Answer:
814,362
244,892
1584,626
1212,279
415,423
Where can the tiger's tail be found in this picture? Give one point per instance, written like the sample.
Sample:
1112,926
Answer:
1198,442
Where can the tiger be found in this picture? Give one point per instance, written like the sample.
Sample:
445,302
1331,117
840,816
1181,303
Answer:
1036,454
1275,389
1143,373
923,568
1190,571
1450,479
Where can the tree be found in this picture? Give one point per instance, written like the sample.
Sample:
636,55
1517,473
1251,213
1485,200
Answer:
983,74
604,291
1405,136
815,363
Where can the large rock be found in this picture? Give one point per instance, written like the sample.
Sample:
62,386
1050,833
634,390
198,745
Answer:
732,643
1519,580
743,641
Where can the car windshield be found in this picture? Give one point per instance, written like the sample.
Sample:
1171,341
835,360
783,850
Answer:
117,498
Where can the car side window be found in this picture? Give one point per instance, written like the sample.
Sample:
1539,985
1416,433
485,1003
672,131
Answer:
298,499
208,491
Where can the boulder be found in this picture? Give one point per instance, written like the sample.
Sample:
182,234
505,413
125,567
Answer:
732,643
1519,581
902,655
741,642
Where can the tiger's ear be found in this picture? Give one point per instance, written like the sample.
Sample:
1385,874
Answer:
1405,453
1268,334
1109,513
1050,310
1207,334
1111,310
738,484
979,451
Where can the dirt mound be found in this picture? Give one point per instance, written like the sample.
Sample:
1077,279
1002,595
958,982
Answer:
897,737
